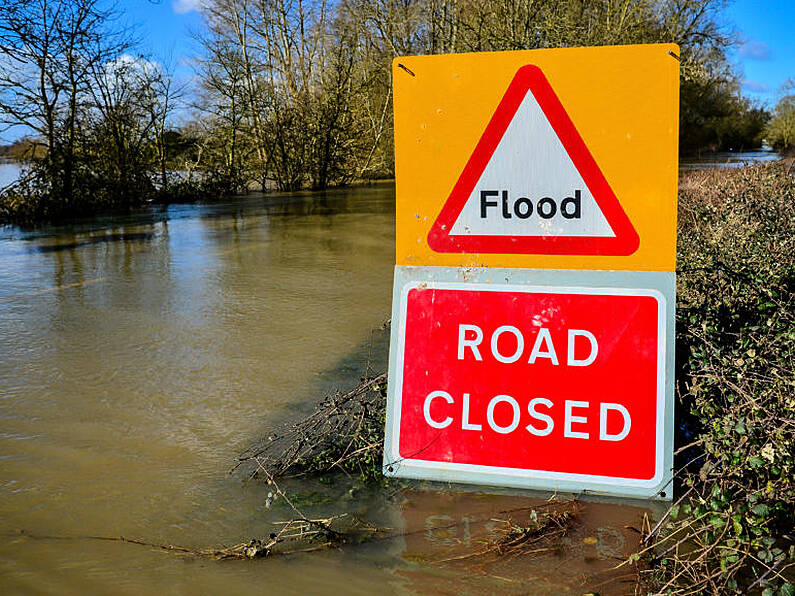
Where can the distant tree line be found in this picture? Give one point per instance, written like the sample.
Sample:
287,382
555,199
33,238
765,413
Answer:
293,93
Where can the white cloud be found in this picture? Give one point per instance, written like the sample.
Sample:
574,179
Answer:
125,69
755,50
185,6
132,63
755,86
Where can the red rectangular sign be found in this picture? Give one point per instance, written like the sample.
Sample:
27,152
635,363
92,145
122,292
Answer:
549,382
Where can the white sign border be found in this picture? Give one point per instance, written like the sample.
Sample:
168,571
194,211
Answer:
659,285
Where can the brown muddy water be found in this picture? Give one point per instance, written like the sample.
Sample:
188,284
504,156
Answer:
140,355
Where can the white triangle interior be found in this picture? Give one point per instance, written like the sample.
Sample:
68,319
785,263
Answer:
530,162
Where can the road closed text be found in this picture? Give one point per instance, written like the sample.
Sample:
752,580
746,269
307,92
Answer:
507,344
538,380
540,412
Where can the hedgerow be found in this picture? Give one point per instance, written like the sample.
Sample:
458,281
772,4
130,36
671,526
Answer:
732,529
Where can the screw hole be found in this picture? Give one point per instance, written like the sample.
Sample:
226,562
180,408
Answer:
390,468
662,494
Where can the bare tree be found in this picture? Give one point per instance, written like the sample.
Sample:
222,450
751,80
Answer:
222,79
132,98
50,49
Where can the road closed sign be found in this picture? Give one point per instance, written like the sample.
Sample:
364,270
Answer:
532,384
533,309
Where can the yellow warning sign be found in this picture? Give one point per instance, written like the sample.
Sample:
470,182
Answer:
555,159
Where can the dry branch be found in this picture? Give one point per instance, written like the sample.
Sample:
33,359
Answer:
344,433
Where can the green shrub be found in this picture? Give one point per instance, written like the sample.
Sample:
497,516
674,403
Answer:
733,531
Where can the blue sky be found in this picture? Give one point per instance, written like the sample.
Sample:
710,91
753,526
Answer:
766,57
165,27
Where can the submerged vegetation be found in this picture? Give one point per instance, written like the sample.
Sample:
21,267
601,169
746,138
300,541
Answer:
290,94
345,434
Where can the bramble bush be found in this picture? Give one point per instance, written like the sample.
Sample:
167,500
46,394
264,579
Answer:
732,529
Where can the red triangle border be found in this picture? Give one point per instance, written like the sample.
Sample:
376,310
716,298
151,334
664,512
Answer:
531,78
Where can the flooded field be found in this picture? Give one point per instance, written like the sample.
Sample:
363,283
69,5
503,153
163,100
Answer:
140,355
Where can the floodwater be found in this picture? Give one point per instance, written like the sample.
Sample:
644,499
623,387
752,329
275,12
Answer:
139,355
728,159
